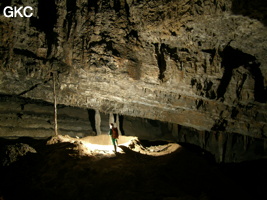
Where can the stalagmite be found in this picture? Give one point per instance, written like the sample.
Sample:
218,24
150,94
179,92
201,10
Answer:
111,118
117,120
97,122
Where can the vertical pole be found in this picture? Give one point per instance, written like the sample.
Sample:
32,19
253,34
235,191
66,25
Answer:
55,103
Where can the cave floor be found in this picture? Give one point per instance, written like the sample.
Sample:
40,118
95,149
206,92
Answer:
61,171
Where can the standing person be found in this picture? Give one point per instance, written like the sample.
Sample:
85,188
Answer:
113,132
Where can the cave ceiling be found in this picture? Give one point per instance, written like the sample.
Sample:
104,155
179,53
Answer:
196,63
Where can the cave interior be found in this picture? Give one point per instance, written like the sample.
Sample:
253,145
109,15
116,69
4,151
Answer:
185,83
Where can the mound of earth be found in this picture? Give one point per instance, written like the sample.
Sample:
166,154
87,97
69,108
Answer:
99,146
68,168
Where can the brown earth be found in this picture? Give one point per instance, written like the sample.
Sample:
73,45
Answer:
63,168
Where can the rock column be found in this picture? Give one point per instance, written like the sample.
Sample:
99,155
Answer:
97,122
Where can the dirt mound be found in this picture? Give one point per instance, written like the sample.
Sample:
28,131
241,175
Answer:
12,152
100,145
68,168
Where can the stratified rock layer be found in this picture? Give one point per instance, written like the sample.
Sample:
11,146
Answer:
24,117
200,63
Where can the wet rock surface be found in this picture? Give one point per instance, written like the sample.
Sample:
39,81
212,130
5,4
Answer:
60,171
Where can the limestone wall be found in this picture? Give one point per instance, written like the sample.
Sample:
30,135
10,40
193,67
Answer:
200,64
21,117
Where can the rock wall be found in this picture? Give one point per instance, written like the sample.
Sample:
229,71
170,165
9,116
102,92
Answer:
21,117
32,118
196,63
221,146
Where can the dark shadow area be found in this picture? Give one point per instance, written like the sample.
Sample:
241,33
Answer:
163,51
132,153
148,143
209,157
219,125
260,93
121,119
57,171
92,5
46,21
3,5
256,9
20,178
133,34
251,175
27,53
234,58
117,6
23,100
231,59
70,17
159,50
91,116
